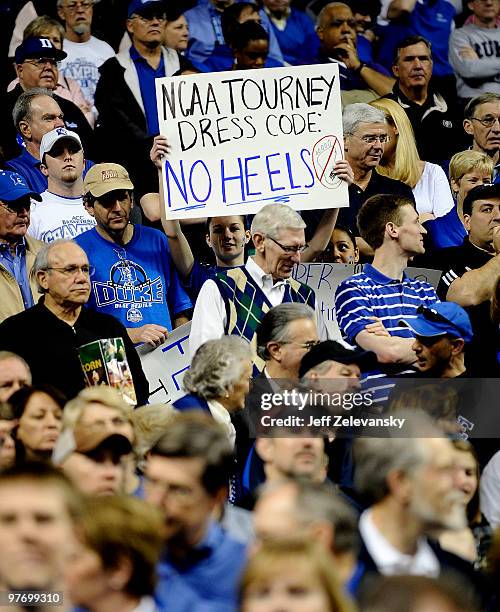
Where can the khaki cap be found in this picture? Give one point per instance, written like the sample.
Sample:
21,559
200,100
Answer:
103,178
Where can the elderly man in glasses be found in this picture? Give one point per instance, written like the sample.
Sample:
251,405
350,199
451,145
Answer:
48,335
482,122
17,251
236,300
365,136
37,61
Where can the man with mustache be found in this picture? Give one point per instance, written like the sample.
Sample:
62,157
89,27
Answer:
135,279
17,251
435,119
61,213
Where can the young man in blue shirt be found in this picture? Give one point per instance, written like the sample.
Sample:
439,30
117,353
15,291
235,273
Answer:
135,279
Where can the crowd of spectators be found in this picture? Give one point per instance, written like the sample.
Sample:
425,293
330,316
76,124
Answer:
109,502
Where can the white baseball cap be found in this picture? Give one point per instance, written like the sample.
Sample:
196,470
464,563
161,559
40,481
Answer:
50,139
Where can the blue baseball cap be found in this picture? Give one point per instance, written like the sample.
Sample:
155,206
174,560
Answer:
37,47
13,187
440,319
139,6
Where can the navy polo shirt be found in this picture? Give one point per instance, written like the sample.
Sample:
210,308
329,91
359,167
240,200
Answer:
147,76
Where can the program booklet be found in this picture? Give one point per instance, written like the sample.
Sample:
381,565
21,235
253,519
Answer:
104,362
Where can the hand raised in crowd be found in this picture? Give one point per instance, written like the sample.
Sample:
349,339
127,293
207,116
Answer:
152,334
377,327
159,150
344,171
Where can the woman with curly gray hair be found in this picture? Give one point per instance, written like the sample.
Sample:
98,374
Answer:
218,380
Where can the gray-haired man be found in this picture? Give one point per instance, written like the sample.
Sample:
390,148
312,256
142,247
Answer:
236,300
48,334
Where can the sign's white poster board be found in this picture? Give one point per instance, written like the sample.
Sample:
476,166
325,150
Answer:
242,139
324,278
165,365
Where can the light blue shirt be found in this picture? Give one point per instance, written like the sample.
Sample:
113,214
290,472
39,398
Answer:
16,267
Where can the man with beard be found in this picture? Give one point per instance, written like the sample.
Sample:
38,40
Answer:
61,213
410,483
186,477
85,53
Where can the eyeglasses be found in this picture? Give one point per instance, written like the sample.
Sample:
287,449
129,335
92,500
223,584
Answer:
289,249
487,121
84,4
432,315
373,139
74,270
19,207
41,62
146,18
305,345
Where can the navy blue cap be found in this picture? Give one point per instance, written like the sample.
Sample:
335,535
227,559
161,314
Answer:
138,6
440,319
330,350
13,187
38,47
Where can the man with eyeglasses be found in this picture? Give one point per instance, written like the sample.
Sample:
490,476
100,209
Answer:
125,95
37,63
48,335
470,276
434,116
17,250
236,300
365,136
61,213
84,52
472,51
482,122
359,81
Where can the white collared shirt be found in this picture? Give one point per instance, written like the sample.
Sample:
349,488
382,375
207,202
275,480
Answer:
389,560
209,316
222,416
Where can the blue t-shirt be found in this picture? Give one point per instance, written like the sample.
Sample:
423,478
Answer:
147,75
137,282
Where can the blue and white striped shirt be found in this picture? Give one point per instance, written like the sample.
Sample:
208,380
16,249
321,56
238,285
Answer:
372,294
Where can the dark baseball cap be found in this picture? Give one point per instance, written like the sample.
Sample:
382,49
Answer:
38,47
145,7
330,350
481,192
441,319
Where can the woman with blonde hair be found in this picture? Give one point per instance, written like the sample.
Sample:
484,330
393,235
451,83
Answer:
293,575
401,161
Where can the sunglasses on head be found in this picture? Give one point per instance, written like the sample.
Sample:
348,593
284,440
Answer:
432,315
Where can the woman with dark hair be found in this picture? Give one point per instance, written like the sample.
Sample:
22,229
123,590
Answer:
38,411
176,32
342,247
473,543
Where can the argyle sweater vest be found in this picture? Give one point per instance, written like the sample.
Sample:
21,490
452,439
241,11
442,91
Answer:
246,304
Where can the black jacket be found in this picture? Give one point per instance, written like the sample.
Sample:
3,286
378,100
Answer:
49,346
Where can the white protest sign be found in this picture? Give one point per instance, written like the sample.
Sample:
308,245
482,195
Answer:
165,365
242,139
324,278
